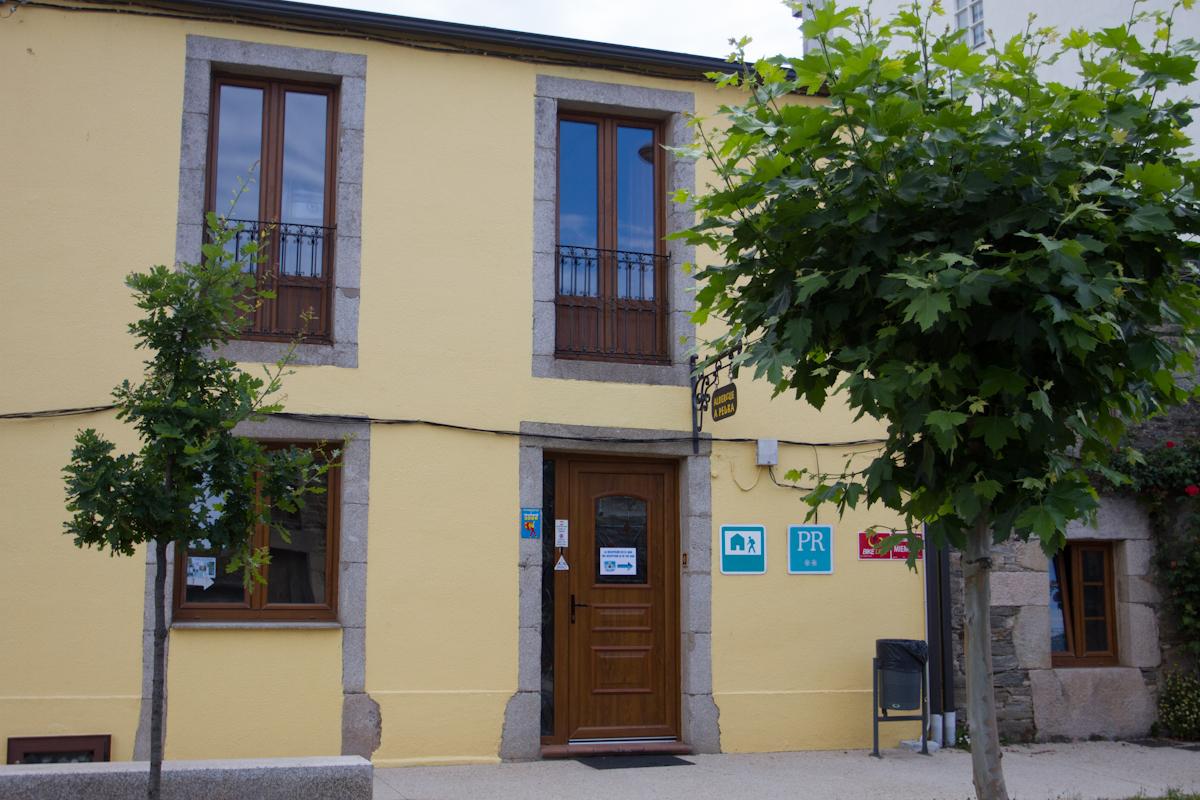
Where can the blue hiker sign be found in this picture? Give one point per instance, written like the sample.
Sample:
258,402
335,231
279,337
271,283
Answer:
743,549
810,550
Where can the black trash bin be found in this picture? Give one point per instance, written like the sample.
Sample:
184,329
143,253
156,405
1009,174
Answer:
901,669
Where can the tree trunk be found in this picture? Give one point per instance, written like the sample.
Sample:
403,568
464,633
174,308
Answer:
153,789
981,696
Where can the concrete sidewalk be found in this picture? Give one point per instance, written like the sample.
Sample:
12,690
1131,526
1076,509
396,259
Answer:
1080,771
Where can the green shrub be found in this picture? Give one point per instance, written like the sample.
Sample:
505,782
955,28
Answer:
1179,573
1170,470
1179,705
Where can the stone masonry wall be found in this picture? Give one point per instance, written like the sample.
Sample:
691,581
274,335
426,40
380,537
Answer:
1013,652
1036,701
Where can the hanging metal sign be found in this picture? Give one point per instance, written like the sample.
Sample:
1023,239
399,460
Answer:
724,402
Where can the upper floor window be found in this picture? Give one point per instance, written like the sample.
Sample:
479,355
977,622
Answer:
301,578
968,16
611,261
1082,607
272,156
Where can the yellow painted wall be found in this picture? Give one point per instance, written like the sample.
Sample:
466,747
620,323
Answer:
93,153
792,653
71,627
254,693
441,592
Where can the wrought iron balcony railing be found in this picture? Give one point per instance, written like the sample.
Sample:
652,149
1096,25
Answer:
294,261
610,304
288,248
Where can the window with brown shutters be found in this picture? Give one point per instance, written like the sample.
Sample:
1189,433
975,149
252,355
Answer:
271,176
611,276
1083,629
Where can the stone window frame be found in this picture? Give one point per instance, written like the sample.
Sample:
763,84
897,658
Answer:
1124,523
206,55
521,735
360,714
1071,659
257,607
553,93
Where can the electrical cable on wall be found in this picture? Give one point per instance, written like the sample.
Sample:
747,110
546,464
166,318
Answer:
356,419
733,475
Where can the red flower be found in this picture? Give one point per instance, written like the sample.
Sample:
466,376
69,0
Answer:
1170,443
1192,490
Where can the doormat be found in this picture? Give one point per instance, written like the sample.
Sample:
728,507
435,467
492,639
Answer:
633,762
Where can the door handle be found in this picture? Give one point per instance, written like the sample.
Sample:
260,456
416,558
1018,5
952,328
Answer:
574,606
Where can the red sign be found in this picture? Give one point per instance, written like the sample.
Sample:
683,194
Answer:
869,542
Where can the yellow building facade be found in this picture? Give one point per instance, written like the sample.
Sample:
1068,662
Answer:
447,362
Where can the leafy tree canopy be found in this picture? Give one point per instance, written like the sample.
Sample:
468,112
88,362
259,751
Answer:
192,478
981,259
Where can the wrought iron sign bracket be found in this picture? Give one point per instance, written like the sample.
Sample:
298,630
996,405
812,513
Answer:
703,385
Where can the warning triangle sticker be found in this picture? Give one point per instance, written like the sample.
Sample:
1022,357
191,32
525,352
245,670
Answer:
561,565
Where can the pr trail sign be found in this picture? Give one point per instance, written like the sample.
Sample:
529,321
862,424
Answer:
810,550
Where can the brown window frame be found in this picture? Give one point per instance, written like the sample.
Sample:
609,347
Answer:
265,326
19,747
256,608
571,338
1077,654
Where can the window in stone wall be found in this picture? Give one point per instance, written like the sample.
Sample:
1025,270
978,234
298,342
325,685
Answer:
612,262
300,580
273,147
1082,606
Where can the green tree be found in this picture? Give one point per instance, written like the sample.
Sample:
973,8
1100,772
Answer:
192,478
981,260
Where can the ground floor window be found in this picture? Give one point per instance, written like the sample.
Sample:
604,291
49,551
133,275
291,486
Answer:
1082,606
301,578
59,749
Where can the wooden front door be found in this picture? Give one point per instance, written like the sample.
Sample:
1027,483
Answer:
622,601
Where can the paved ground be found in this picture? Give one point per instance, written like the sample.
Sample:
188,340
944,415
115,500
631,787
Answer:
1083,771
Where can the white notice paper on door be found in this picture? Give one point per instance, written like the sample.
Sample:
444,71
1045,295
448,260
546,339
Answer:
618,561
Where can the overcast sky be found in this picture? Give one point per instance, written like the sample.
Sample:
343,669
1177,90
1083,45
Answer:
703,27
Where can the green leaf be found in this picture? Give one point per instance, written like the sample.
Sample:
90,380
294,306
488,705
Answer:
926,308
987,489
1041,402
967,503
943,424
1043,520
1149,219
995,431
959,57
826,18
996,380
1155,177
